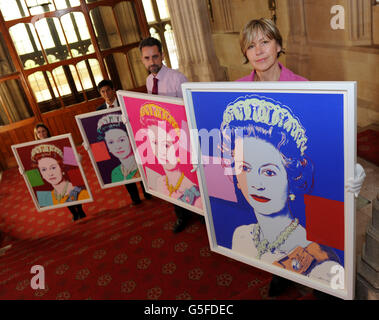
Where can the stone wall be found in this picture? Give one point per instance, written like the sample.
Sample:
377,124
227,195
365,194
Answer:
313,48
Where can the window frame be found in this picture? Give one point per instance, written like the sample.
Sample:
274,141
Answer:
22,74
159,25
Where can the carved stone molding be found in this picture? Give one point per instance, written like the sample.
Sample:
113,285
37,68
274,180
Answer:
191,26
221,15
297,56
360,21
298,31
367,287
310,22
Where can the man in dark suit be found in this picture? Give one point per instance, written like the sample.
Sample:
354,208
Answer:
108,93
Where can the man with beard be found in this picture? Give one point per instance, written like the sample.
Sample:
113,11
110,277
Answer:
162,80
166,82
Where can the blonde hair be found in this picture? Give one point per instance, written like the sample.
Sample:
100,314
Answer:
268,29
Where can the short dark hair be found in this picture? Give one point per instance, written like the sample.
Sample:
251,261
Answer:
104,83
150,42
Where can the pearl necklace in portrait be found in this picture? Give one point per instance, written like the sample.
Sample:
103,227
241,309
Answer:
264,245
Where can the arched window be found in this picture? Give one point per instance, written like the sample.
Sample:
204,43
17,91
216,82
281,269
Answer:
53,53
158,18
65,47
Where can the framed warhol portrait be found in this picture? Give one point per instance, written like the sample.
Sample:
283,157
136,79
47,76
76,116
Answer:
109,147
160,138
273,161
53,173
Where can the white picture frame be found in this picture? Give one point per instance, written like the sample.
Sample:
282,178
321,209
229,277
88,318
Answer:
131,102
87,124
208,100
66,144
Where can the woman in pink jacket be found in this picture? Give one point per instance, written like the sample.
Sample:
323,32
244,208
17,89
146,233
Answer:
261,44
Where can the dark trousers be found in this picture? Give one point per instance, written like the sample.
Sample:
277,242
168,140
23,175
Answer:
77,211
181,213
133,191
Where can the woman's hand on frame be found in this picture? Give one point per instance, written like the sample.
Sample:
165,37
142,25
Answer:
354,185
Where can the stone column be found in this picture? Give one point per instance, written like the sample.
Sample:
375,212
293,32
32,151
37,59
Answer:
367,284
192,30
360,22
297,55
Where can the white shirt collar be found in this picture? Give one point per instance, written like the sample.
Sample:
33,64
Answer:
115,103
161,72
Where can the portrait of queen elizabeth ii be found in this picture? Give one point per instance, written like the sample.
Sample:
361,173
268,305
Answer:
53,173
112,131
106,139
160,137
163,131
267,146
273,171
48,158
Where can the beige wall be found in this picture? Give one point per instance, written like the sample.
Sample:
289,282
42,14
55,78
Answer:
375,25
226,28
229,17
313,49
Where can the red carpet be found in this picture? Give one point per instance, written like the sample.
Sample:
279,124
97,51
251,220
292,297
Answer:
368,146
117,252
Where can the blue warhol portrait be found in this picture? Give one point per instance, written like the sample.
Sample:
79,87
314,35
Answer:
282,155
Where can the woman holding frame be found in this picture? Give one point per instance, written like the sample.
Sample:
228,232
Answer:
261,45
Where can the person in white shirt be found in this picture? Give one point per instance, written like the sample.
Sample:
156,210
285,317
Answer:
166,82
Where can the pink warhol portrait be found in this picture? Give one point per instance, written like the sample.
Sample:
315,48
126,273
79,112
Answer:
162,140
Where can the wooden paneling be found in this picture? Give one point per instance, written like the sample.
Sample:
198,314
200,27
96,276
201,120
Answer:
59,121
62,120
13,134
